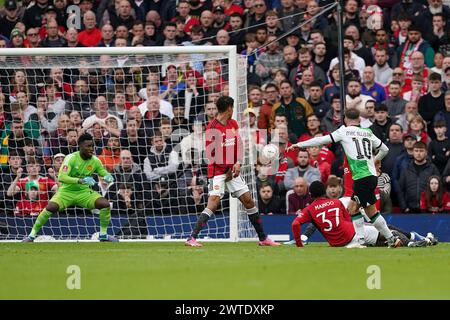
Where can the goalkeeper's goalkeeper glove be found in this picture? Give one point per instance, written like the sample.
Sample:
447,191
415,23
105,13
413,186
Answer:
109,178
89,181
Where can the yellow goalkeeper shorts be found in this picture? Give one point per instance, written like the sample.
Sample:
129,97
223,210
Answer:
83,199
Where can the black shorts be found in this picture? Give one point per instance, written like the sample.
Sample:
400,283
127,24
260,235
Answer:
364,191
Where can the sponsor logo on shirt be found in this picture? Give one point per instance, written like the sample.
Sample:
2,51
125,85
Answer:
229,142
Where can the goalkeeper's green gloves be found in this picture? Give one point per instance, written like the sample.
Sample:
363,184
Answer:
89,181
109,178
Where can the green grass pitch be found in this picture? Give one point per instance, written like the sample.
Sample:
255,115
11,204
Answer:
221,271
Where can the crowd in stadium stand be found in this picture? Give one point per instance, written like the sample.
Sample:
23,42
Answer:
397,71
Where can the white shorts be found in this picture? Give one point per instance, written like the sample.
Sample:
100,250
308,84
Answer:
236,186
345,201
370,236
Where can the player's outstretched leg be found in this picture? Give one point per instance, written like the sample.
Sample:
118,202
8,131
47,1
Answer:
364,194
105,216
202,221
256,221
413,236
41,220
405,233
432,238
357,220
379,222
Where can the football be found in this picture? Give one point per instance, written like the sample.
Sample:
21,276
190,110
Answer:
269,153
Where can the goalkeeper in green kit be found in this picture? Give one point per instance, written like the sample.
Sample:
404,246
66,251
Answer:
75,177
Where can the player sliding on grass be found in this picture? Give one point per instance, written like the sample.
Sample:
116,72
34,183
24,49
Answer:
329,216
75,177
358,145
334,223
224,149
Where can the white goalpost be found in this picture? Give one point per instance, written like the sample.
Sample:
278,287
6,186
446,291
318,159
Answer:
155,198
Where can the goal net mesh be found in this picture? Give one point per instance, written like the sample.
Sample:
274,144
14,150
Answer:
147,114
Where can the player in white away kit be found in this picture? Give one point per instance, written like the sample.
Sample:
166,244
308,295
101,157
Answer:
358,145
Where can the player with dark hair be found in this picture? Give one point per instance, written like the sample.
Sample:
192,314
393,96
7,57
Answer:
328,215
75,177
224,151
334,223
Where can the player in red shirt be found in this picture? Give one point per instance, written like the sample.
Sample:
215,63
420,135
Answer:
329,215
224,151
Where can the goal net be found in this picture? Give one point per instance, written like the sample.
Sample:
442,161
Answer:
147,109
